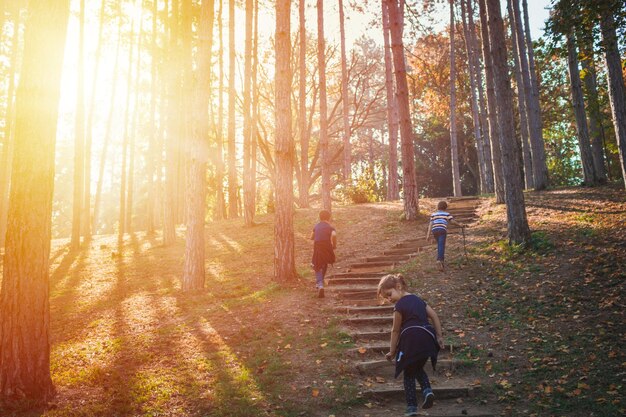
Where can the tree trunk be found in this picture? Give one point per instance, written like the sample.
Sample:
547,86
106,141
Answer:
302,117
616,83
123,177
24,297
194,270
233,212
454,146
171,171
109,125
586,156
79,136
595,118
321,62
518,230
472,70
522,90
411,203
255,106
284,241
482,106
87,220
152,140
347,157
220,205
248,196
393,191
540,169
9,128
495,131
134,132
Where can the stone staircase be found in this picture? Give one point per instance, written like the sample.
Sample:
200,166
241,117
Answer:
456,386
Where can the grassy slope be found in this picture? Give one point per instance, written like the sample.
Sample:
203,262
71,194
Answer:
545,325
127,341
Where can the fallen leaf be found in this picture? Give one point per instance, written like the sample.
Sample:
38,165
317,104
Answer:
315,392
362,350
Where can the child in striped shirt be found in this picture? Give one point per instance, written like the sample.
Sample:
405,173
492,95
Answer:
439,227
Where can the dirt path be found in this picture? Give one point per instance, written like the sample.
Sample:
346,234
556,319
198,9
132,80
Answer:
458,389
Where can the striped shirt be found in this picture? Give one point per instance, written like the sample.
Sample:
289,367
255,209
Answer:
439,220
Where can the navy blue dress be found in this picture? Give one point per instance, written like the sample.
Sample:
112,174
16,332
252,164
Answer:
323,253
418,340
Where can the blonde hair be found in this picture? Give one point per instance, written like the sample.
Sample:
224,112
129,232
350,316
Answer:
390,281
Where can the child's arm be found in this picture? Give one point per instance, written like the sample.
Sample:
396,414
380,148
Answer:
436,323
333,239
312,235
395,335
456,223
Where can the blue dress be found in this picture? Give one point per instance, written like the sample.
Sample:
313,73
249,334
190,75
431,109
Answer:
417,336
323,253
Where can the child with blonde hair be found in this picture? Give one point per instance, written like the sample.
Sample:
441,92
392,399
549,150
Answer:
413,339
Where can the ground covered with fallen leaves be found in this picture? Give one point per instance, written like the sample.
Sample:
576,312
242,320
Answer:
545,325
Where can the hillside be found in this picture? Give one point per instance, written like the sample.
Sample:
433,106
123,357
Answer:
542,327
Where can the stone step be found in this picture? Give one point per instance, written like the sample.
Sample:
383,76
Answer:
352,281
357,275
388,258
413,246
383,347
371,264
368,321
406,251
367,310
446,390
359,302
442,408
384,368
356,293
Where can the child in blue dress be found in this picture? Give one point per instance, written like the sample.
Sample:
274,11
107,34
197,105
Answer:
413,339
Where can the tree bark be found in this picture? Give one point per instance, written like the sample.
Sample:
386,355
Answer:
596,130
123,177
220,205
454,145
233,212
248,195
151,159
584,144
472,70
79,136
411,202
87,219
616,83
284,241
482,105
518,230
347,150
9,128
24,296
171,154
194,270
321,63
522,89
109,125
495,132
393,191
540,169
303,191
255,105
